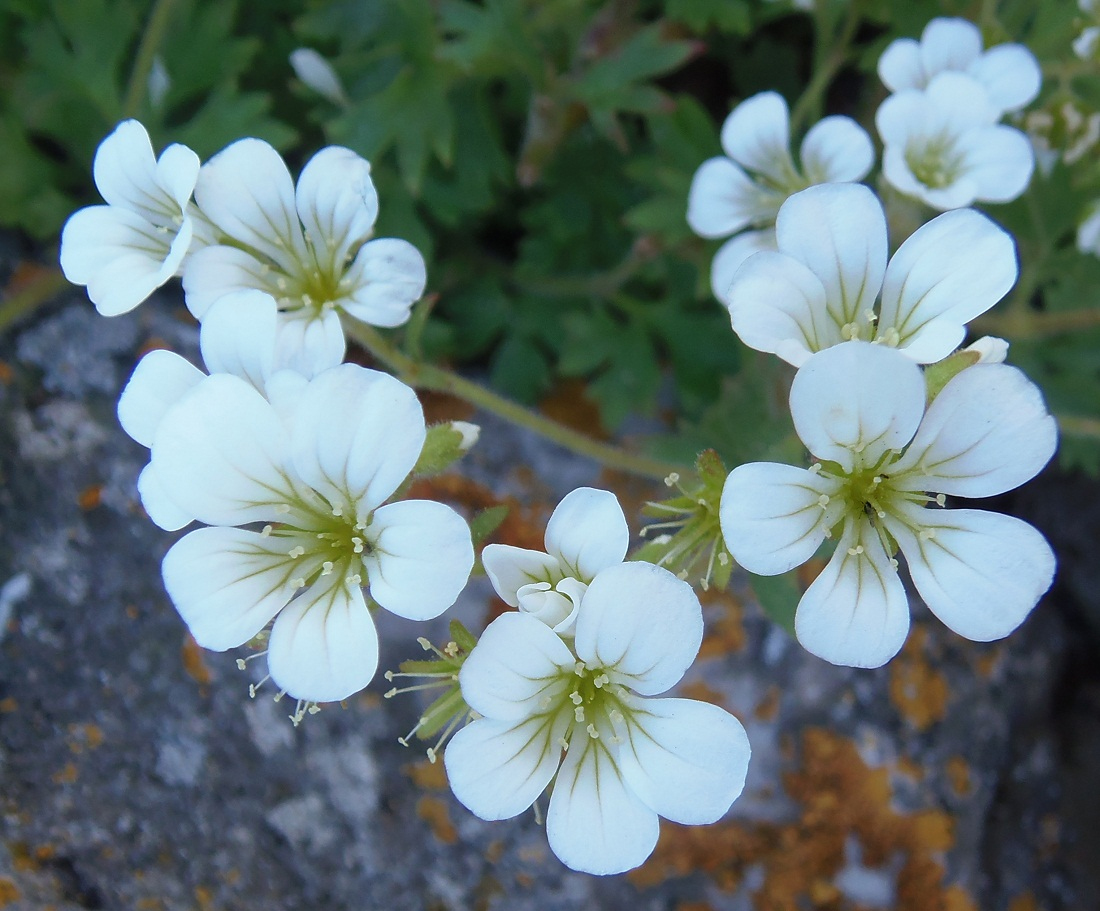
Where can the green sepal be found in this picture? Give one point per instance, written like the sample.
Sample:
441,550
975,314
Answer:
485,523
442,448
938,375
440,713
463,638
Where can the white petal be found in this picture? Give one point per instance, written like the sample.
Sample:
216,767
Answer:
723,199
222,451
899,67
556,606
686,760
587,532
307,343
837,149
949,44
901,116
756,135
214,271
159,381
128,176
497,769
1010,74
955,267
595,823
227,583
778,305
772,515
1000,161
357,434
177,172
981,573
420,559
246,191
316,72
324,646
384,280
516,662
839,232
855,613
641,622
336,202
857,400
733,254
510,568
238,336
990,349
158,504
957,103
987,432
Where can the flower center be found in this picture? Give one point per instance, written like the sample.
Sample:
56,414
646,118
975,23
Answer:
595,703
334,543
936,162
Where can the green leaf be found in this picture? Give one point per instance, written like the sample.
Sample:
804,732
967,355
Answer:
699,15
778,597
486,522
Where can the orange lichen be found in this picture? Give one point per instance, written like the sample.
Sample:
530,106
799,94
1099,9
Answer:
6,373
67,774
910,768
1024,902
8,705
90,497
725,632
204,897
430,776
193,663
768,707
9,893
568,403
958,773
435,813
84,736
917,689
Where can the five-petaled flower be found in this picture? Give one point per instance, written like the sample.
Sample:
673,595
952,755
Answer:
314,475
884,459
628,758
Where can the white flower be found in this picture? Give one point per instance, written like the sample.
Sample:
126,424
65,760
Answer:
1009,73
885,458
628,758
822,285
587,532
307,247
317,73
1088,232
745,190
943,145
1085,44
319,481
125,250
990,349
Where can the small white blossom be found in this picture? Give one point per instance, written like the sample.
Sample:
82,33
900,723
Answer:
316,483
990,349
628,758
830,282
317,73
943,145
1009,73
885,459
307,246
741,193
125,250
1085,44
587,532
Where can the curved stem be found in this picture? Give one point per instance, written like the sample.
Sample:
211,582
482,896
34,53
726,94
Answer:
151,39
830,55
37,292
1029,324
1076,426
428,376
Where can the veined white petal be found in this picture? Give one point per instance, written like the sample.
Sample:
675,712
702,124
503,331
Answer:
336,202
596,823
949,44
1000,160
774,517
227,583
988,431
159,381
246,191
980,572
308,343
900,116
587,532
129,177
855,401
212,272
641,622
778,305
723,199
497,769
323,646
357,434
839,232
757,136
517,661
1010,74
158,504
222,453
420,557
955,267
733,254
177,171
957,103
685,759
836,149
384,280
510,568
855,613
556,606
899,67
238,336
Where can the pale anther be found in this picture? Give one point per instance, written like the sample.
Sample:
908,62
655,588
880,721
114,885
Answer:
592,732
578,713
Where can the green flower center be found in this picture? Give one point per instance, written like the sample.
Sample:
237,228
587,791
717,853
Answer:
936,162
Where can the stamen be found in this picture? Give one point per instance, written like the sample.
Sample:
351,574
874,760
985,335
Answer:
578,713
600,681
941,499
673,479
927,534
563,743
254,688
354,579
815,468
266,532
855,551
300,582
282,508
823,501
337,511
295,552
592,732
242,663
327,567
576,697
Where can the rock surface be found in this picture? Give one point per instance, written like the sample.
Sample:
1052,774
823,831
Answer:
135,772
